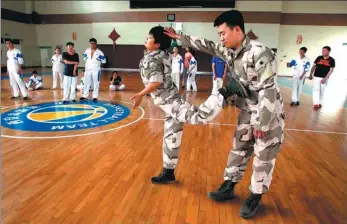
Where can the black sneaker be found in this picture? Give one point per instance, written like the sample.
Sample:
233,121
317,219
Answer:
95,100
166,176
25,98
225,192
65,102
250,206
82,98
295,104
74,101
15,97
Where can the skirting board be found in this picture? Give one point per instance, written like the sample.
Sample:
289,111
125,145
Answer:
137,70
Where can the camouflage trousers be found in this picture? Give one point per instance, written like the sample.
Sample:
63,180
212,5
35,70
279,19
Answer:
265,150
178,111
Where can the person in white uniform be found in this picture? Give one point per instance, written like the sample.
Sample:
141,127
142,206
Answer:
94,58
301,66
177,67
14,69
193,68
35,82
58,68
80,87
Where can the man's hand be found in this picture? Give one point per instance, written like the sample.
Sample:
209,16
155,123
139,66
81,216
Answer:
137,98
74,73
215,77
225,77
19,71
171,33
301,77
311,77
259,134
323,81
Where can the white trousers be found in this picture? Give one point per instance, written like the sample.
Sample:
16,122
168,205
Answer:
120,87
191,82
318,90
297,88
217,84
55,79
38,86
69,86
91,77
176,79
16,81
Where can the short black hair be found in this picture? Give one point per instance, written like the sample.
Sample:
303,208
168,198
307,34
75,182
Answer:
35,72
57,48
9,40
232,18
192,52
327,47
114,72
303,49
93,40
160,38
70,43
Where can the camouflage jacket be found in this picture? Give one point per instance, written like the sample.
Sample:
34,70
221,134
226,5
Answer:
155,66
254,65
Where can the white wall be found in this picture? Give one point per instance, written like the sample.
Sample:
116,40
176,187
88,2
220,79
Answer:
56,7
18,6
27,33
273,35
335,7
64,7
314,39
55,34
268,33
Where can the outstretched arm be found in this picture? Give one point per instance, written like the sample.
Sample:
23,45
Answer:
200,44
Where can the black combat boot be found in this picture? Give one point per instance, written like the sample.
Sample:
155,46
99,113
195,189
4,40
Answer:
225,192
166,176
250,206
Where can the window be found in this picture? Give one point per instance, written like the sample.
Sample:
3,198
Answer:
15,41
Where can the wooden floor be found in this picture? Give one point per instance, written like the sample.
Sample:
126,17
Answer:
105,178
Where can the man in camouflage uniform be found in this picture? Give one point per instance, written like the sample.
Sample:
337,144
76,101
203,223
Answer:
261,120
155,69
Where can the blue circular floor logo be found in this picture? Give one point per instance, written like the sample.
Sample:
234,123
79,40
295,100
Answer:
48,117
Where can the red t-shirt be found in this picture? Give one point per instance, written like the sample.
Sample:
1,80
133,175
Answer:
187,57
